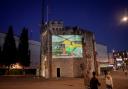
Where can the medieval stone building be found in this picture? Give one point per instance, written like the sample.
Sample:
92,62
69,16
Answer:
66,51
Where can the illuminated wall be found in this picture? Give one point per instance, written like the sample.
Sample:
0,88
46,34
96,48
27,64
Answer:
66,46
68,51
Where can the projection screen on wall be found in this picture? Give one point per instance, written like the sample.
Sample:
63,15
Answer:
66,46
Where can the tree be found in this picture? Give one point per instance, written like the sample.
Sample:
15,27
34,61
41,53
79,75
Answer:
9,48
0,56
23,48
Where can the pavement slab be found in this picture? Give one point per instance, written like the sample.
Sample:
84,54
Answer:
22,82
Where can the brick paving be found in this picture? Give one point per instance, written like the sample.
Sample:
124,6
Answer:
120,81
22,82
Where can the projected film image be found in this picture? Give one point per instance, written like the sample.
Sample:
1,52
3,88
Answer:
66,46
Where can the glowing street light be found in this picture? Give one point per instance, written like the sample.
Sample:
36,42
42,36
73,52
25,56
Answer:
124,19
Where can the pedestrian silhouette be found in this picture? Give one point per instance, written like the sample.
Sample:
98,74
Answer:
125,72
109,81
94,82
105,73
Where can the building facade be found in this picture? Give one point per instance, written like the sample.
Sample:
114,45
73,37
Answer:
120,59
64,65
101,57
66,51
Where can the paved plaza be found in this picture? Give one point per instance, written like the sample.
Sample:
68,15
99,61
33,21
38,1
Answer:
30,82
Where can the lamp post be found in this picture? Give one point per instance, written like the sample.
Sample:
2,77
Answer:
114,58
124,19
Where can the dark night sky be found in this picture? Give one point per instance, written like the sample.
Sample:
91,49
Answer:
99,16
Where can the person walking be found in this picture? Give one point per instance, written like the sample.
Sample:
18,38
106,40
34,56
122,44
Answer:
109,82
105,73
94,82
125,72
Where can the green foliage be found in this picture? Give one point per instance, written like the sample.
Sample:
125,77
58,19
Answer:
9,48
23,48
0,55
10,55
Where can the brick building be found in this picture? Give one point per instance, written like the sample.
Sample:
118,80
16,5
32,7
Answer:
66,51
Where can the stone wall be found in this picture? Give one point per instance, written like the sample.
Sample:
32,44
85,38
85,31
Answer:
69,67
65,65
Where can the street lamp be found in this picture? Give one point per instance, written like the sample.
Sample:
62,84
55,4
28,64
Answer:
125,17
